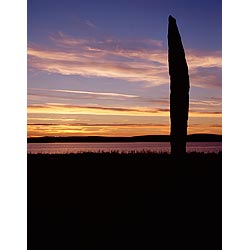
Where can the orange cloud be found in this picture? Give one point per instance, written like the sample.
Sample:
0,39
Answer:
132,61
206,128
58,108
35,130
61,120
113,129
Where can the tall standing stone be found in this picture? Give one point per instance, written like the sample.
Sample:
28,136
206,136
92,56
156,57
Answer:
179,89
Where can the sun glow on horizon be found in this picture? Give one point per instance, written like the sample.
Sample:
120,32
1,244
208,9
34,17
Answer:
85,120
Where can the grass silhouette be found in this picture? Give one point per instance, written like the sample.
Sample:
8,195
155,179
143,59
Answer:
124,201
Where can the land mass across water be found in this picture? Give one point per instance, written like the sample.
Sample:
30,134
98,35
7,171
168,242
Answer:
143,138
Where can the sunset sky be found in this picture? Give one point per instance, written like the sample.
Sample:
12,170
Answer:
100,67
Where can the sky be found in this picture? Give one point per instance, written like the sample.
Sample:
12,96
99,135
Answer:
100,67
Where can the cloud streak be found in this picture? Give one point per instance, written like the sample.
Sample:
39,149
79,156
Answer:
122,130
99,124
59,108
44,95
90,24
106,94
129,60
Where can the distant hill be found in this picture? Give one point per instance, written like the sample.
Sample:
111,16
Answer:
205,138
143,138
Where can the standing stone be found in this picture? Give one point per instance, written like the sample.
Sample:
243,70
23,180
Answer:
179,89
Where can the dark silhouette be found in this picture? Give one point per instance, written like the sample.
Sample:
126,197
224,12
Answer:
179,87
124,201
141,138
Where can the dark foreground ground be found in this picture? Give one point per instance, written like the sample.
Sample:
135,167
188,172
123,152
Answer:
124,201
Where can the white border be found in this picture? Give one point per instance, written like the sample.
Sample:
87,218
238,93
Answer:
236,126
13,174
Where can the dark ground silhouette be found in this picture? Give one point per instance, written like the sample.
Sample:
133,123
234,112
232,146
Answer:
124,201
142,138
179,87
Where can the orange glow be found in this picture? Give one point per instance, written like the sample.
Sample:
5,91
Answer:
123,130
199,122
58,108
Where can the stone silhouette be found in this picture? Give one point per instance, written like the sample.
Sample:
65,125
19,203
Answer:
179,89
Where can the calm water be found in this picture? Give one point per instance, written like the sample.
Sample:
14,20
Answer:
62,148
